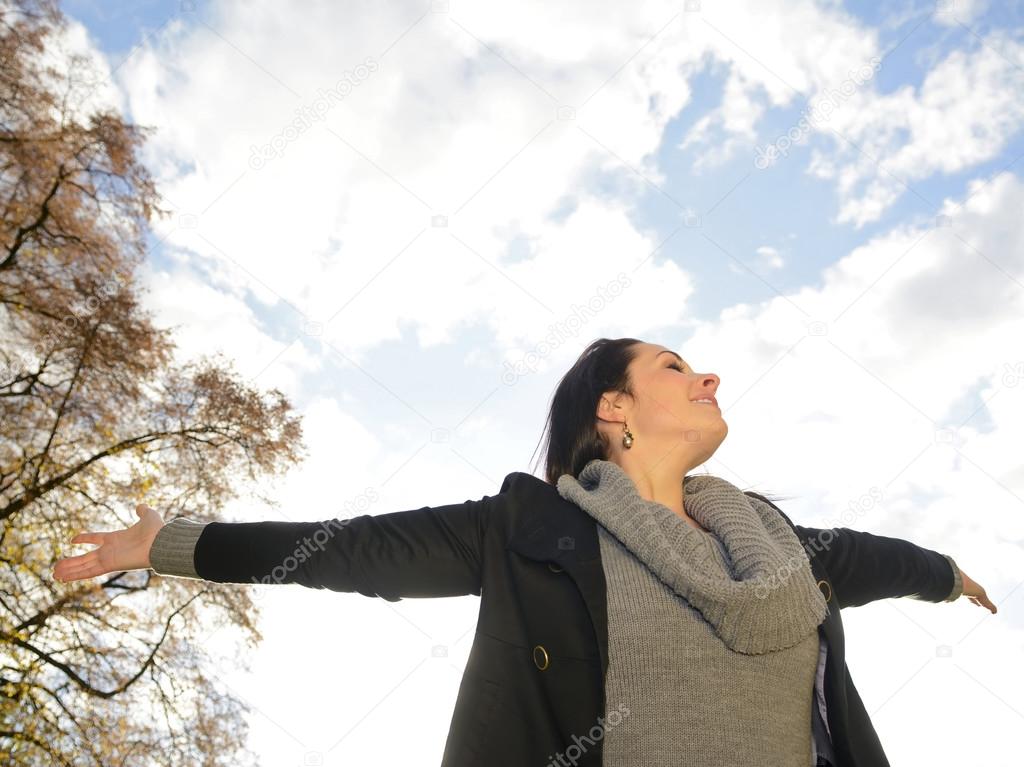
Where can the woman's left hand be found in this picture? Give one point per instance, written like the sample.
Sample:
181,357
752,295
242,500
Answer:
976,593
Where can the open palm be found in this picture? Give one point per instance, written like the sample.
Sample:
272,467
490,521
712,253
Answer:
126,549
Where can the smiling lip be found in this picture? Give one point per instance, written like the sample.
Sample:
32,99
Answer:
713,401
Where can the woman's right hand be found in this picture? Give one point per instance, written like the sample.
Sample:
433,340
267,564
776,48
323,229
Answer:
126,549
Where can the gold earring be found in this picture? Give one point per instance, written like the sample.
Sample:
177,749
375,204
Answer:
627,436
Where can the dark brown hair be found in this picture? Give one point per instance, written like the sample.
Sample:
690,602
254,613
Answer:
572,438
571,435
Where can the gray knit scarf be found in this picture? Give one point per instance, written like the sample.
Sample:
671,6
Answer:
767,598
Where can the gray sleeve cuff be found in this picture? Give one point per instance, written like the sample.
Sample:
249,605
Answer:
958,581
173,550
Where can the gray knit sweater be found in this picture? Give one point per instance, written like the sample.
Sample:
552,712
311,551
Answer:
691,699
715,667
714,670
173,549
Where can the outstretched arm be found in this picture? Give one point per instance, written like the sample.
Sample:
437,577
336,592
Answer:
425,552
864,567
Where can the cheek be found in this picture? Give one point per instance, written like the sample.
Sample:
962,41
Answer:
673,405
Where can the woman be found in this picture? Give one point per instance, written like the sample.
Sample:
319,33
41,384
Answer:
629,613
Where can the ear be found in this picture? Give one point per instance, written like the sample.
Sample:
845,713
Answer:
609,407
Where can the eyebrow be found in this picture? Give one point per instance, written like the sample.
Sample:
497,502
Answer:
668,351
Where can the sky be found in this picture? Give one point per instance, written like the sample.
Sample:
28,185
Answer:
411,218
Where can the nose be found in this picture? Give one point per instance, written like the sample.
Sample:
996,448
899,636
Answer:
709,383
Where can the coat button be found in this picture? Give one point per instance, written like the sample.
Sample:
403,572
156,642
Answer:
540,657
828,589
554,568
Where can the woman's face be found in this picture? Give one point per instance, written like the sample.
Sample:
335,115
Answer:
665,409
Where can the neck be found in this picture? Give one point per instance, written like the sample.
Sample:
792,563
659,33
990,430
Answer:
658,475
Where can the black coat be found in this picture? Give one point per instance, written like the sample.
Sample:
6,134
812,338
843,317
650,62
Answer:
534,682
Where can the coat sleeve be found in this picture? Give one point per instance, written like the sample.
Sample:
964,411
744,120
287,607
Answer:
864,567
432,551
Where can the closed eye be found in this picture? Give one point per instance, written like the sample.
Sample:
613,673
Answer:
677,366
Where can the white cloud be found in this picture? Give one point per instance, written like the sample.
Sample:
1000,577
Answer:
207,320
93,89
963,114
770,256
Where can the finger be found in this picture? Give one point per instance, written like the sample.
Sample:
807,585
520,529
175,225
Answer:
78,559
87,570
71,565
68,563
984,601
88,538
69,577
